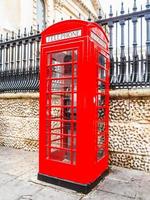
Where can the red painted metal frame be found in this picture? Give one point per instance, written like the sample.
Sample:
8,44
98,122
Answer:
87,167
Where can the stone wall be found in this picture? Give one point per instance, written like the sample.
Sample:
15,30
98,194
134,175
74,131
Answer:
19,120
129,142
130,129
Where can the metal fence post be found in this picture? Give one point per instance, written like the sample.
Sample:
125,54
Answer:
147,18
122,70
110,25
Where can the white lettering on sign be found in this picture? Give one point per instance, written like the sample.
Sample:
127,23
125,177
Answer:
63,36
98,39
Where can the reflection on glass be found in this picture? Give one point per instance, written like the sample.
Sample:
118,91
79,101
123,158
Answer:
102,73
61,155
57,71
48,59
100,153
101,113
75,70
102,60
55,113
60,85
101,86
101,139
101,100
67,98
101,126
75,55
61,57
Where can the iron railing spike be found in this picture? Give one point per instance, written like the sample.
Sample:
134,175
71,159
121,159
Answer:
1,38
38,29
148,4
100,14
6,36
25,32
18,35
110,11
31,30
12,35
89,18
122,8
134,6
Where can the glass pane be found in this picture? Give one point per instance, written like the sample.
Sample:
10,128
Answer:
101,73
100,153
55,127
56,130
60,71
75,99
102,60
64,99
67,113
56,113
56,99
101,113
48,60
67,99
62,141
67,128
61,57
101,140
101,86
74,128
75,55
101,126
56,141
57,71
74,157
61,85
75,70
101,100
61,155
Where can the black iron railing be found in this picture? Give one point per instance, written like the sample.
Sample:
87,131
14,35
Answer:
129,36
19,62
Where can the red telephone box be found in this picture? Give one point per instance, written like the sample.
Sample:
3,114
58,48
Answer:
74,105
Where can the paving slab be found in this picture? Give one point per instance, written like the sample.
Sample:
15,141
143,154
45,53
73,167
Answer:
53,194
16,190
119,187
4,178
101,195
18,181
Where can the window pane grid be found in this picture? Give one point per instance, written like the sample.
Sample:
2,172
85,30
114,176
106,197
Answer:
101,107
61,106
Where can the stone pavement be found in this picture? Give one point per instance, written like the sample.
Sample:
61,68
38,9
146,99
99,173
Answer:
18,181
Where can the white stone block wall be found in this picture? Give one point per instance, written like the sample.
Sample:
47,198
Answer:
19,120
129,135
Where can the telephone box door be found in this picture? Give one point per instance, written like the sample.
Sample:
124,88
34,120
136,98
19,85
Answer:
59,92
